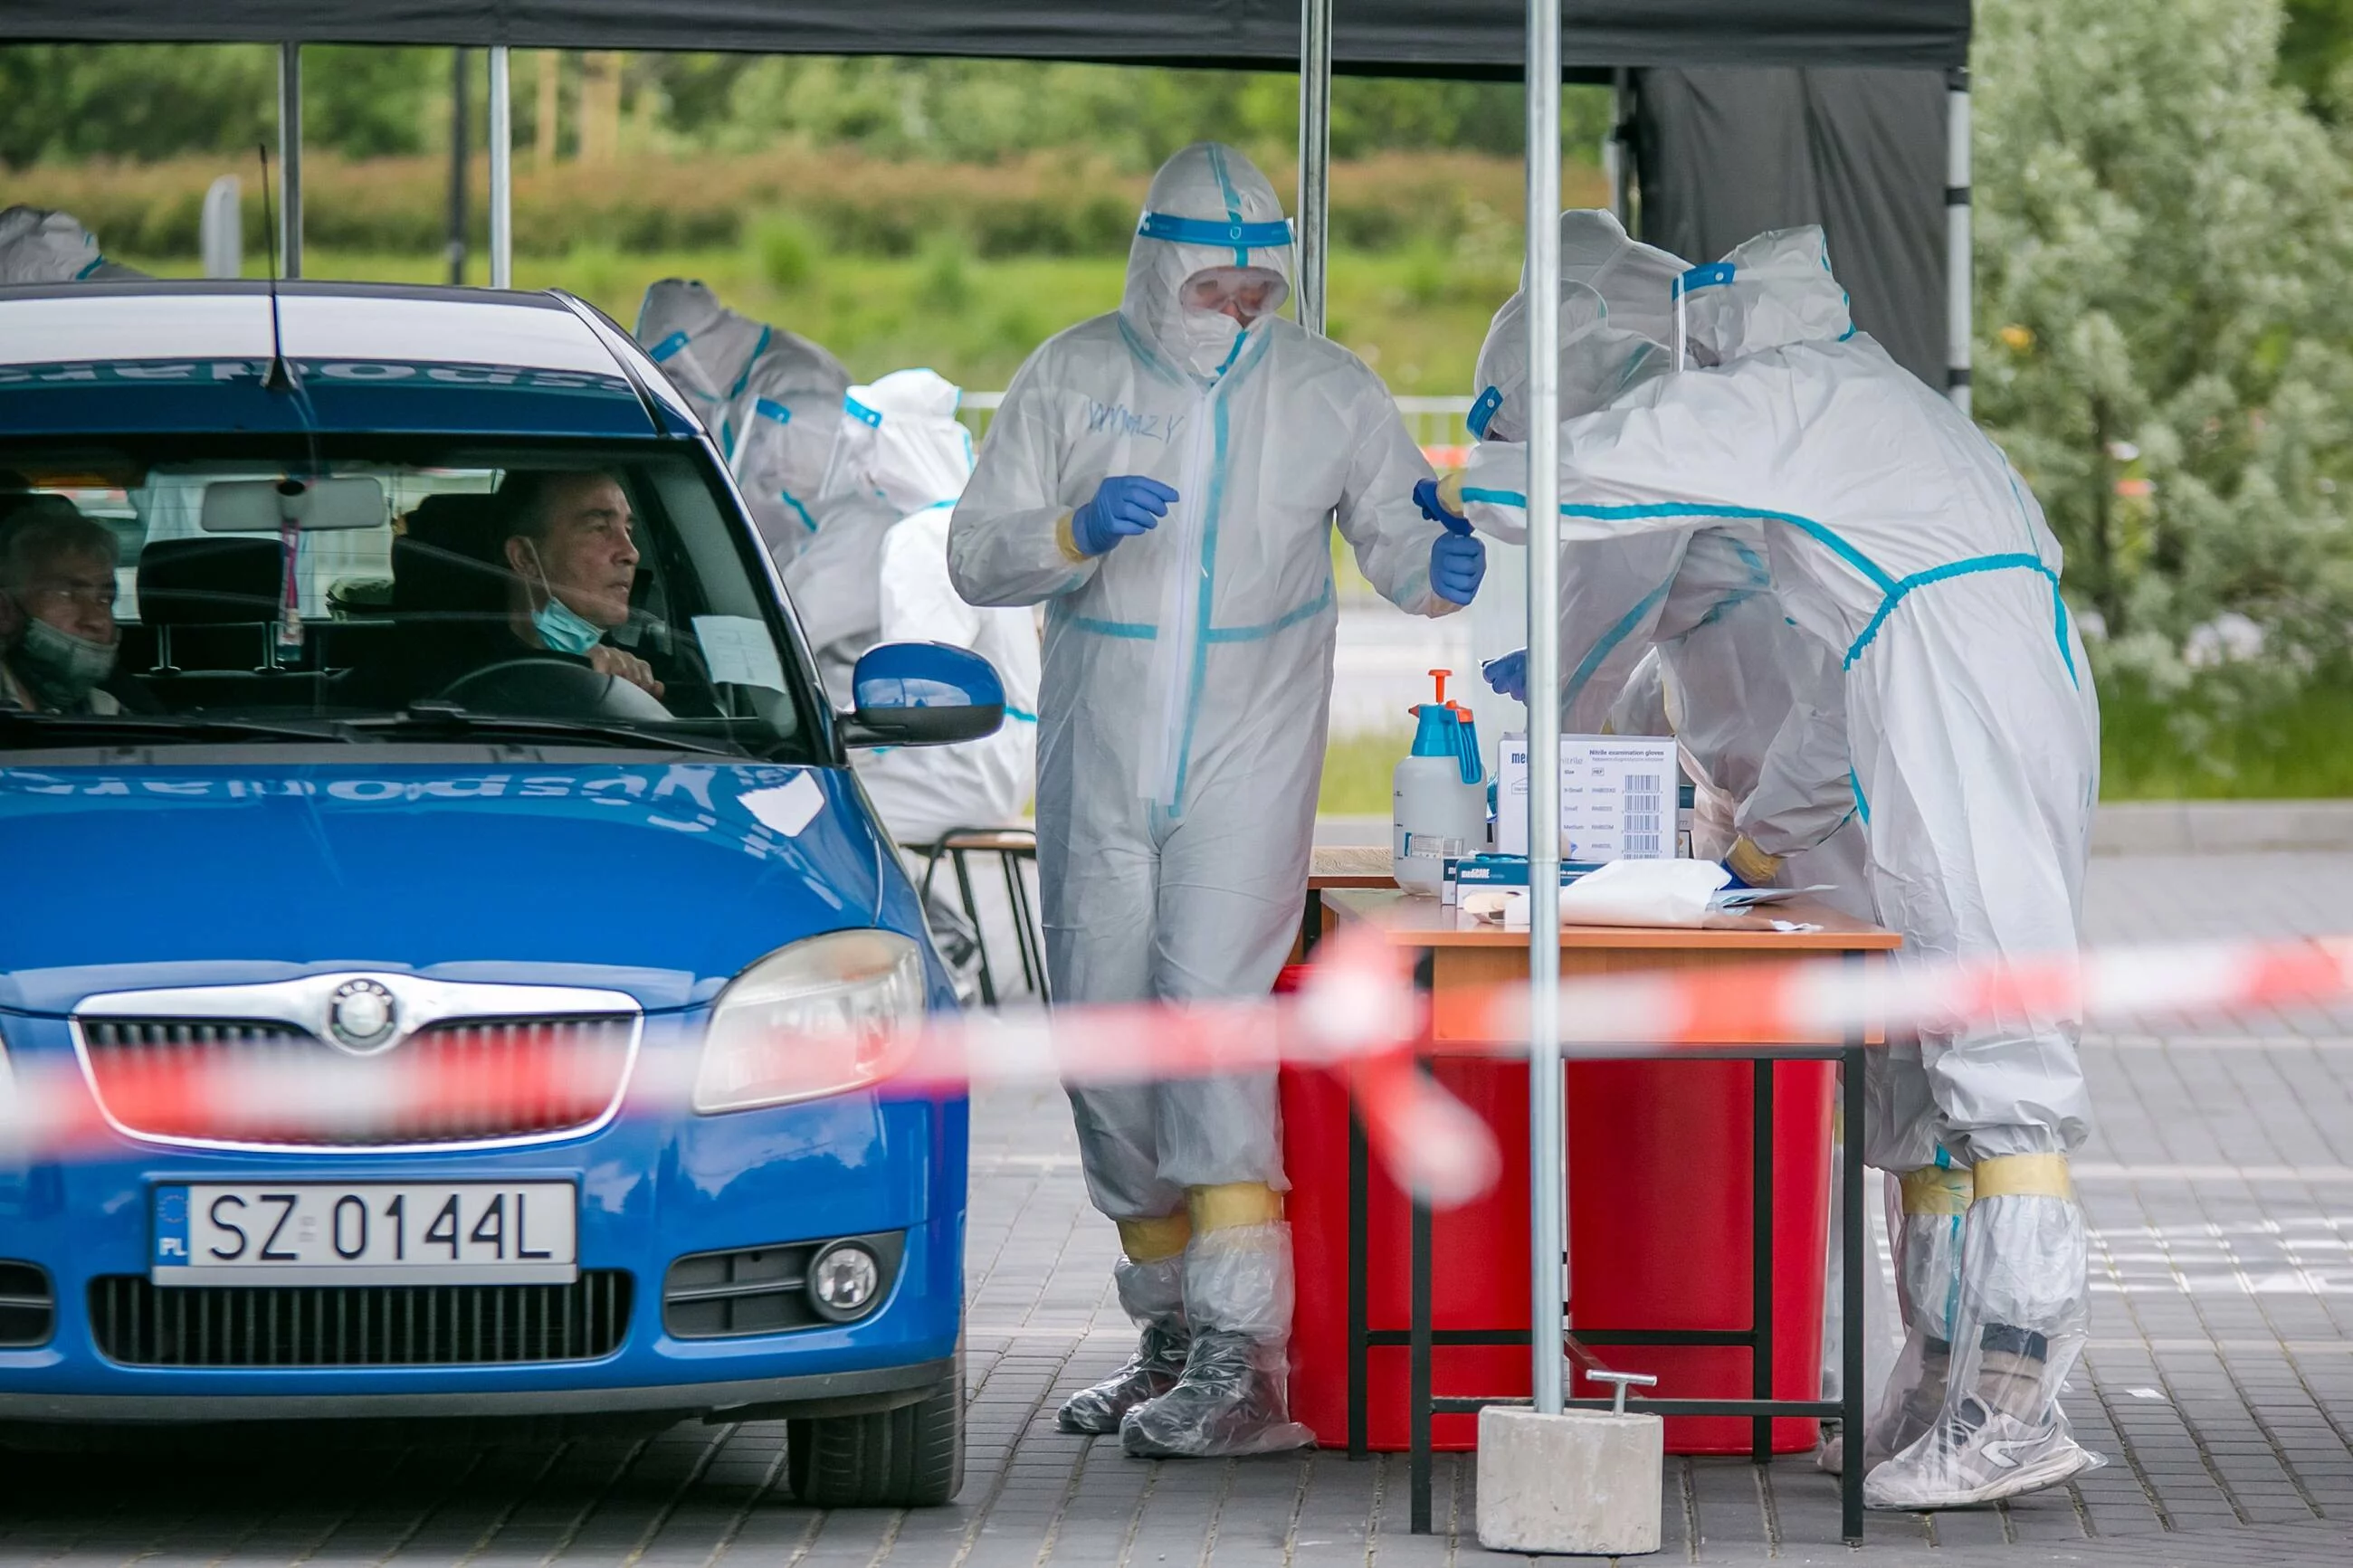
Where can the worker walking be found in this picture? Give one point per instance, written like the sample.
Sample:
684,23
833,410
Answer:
1898,537
1163,478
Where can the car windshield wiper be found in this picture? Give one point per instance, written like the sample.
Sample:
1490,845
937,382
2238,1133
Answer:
17,725
443,719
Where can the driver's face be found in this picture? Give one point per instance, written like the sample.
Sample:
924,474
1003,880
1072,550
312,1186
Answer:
587,553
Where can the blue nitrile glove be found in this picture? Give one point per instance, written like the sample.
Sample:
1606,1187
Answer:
1457,560
1425,496
1508,675
1124,505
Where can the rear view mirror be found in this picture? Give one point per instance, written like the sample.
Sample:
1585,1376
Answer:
923,694
268,506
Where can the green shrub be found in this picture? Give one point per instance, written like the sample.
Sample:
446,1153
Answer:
787,252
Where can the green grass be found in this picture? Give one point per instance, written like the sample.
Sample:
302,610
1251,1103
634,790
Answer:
2150,749
1418,321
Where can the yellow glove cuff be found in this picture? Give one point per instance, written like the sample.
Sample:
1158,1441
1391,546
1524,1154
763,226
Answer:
1750,864
1450,492
1936,1189
1067,541
2025,1176
1151,1240
1231,1204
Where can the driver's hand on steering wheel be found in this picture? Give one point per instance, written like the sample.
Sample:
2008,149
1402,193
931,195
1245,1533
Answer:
608,660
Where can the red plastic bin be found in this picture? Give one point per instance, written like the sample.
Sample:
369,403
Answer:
1659,1217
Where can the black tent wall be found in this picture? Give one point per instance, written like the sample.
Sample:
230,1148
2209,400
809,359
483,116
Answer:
1459,37
1724,154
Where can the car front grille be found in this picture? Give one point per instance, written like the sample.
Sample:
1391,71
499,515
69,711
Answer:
136,1324
505,1078
27,1306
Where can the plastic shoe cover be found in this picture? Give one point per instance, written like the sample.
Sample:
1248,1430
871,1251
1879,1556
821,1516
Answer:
1977,1453
1151,1371
1928,1291
1231,1400
1154,1295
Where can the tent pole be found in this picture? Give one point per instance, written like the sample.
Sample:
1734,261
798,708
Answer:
1959,263
1315,156
502,170
460,145
1618,149
1548,1121
290,158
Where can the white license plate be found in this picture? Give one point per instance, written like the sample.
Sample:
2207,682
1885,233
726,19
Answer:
361,1233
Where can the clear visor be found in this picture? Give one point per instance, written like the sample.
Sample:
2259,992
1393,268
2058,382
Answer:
1244,292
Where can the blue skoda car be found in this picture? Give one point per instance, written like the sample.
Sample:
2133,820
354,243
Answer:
394,680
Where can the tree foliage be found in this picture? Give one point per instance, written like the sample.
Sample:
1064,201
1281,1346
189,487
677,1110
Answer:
2165,249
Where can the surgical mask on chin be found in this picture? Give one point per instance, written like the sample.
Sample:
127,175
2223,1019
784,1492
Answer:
60,667
1210,338
563,629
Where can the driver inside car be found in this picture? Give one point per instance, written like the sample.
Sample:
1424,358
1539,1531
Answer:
57,632
572,562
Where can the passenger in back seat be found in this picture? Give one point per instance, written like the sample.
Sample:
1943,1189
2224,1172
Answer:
569,547
57,636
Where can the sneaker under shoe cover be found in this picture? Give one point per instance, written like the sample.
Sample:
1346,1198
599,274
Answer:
1151,1371
1976,1454
1229,1400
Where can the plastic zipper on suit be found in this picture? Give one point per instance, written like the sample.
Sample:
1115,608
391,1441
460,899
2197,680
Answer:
1161,763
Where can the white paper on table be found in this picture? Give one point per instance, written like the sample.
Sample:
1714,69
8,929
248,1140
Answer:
739,652
1643,893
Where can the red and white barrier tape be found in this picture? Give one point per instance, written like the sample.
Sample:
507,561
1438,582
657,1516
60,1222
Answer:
1357,1013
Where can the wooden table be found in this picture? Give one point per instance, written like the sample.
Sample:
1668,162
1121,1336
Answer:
1456,959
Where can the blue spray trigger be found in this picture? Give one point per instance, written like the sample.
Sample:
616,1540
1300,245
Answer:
1441,729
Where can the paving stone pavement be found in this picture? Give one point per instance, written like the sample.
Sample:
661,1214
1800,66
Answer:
2219,1380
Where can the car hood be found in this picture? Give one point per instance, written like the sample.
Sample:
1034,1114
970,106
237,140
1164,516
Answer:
662,879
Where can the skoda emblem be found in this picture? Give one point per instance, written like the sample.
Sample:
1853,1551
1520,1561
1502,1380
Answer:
360,1017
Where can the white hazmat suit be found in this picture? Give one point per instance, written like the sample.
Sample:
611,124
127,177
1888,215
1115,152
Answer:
921,459
1732,665
39,246
1899,538
1187,676
774,401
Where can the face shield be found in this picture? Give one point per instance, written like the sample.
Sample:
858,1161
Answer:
1245,293
1599,363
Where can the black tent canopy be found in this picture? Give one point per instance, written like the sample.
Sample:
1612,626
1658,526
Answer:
1452,38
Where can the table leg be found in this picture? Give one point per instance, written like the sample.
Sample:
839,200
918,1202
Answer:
972,914
1760,1259
1418,1396
1311,924
1851,1416
1359,1272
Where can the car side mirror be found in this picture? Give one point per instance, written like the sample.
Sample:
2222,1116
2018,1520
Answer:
921,694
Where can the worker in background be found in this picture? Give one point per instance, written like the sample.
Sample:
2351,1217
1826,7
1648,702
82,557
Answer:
1698,604
1163,479
1898,536
771,399
922,458
39,246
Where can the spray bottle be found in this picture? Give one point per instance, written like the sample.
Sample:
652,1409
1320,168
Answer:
1437,793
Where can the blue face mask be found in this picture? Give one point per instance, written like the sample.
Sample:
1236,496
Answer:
563,629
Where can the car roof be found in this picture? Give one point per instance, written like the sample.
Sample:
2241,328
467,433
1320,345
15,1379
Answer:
184,355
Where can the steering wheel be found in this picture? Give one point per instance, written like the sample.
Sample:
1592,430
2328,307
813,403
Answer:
554,688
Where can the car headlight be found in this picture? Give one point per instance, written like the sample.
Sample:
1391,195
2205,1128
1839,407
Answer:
822,1016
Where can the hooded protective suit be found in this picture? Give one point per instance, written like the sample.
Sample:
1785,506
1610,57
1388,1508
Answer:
773,400
1187,676
1898,536
921,458
38,245
1731,665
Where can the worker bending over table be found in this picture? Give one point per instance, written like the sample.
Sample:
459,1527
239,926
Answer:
1899,539
1164,479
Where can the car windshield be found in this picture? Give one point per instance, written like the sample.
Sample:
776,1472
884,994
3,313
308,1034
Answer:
357,589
